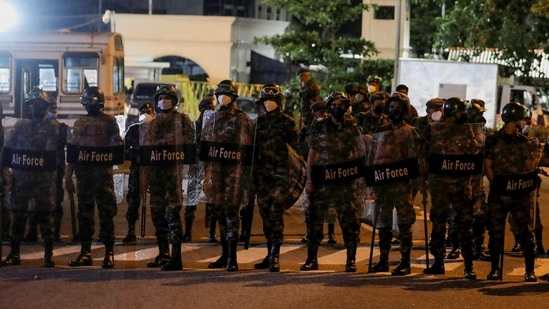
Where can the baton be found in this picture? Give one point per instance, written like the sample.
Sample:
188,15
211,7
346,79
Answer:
143,211
73,217
373,239
425,227
502,251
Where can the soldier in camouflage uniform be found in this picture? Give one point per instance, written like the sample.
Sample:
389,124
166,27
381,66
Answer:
169,132
308,93
94,146
275,130
336,157
57,214
510,166
376,120
454,153
434,114
131,153
226,147
475,113
393,160
31,152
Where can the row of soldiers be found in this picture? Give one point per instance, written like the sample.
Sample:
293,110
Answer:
344,156
446,153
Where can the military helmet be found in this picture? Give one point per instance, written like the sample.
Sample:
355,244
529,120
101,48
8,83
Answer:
337,95
166,89
477,105
37,94
513,112
402,98
453,105
227,87
93,96
271,92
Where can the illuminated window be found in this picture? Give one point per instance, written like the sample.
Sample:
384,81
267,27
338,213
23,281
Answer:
118,75
80,71
5,61
48,81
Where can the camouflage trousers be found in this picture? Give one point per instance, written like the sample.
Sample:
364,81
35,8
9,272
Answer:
344,201
272,215
166,202
522,210
397,196
448,195
95,188
227,190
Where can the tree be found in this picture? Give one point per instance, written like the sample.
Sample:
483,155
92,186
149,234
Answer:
315,37
517,30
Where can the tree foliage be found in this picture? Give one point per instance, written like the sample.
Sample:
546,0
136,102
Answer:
314,37
516,29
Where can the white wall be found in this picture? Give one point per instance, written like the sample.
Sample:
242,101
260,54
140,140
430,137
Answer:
220,45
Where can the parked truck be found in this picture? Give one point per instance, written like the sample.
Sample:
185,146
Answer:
428,79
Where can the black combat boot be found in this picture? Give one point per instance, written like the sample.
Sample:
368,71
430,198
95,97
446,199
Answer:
175,262
383,264
221,262
211,233
331,234
274,259
469,273
266,261
187,236
232,263
529,261
437,268
13,258
495,271
130,237
350,265
108,261
48,253
85,258
312,262
163,253
403,268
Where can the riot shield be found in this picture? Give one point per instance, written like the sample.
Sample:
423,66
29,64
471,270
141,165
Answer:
456,149
31,153
391,156
193,183
95,141
516,172
337,158
226,147
166,145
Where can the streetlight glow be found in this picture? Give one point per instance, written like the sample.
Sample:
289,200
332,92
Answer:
8,16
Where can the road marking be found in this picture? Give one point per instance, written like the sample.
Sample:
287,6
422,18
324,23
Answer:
255,253
448,264
56,252
340,257
541,268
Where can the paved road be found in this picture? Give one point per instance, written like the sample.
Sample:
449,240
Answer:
131,285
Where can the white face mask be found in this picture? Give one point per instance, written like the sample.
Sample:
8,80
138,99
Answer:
436,116
165,104
146,118
223,99
270,105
